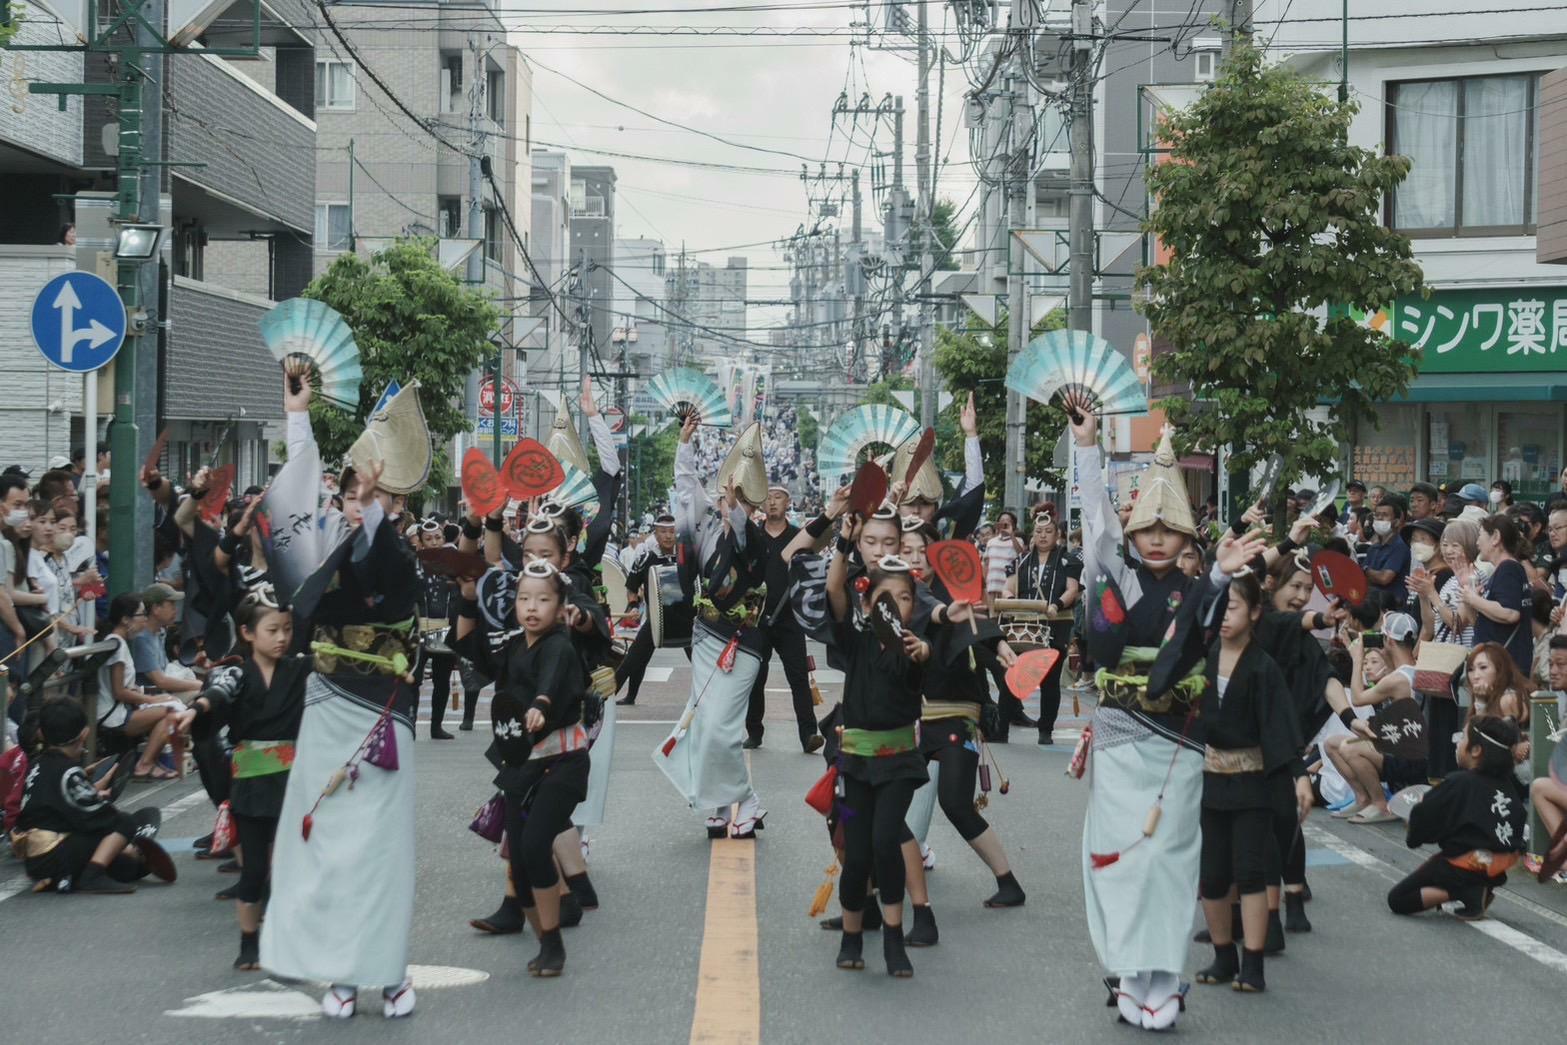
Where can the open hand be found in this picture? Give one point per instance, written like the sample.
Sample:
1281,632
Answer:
968,419
917,648
1084,425
1235,552
368,478
688,426
533,720
296,402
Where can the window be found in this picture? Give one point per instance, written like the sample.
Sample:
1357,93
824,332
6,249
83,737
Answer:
450,208
492,234
1205,60
334,227
451,82
334,87
1472,147
495,95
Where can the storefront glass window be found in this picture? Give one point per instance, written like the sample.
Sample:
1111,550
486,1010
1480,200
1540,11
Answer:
1530,448
1458,447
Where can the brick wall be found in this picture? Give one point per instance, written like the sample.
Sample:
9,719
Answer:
29,432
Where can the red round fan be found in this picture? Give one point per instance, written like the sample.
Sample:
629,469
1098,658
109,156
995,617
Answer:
481,483
922,452
1030,669
957,564
1338,576
869,489
220,483
530,470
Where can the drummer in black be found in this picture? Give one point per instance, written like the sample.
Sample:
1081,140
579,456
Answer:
661,551
1049,572
780,632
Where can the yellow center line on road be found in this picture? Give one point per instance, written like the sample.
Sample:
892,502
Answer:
729,983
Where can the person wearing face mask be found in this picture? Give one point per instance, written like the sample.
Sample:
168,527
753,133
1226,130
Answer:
1387,560
1426,570
1501,496
17,600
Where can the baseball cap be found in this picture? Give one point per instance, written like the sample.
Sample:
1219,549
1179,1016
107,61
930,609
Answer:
1430,526
58,462
1474,493
1400,627
161,593
1355,484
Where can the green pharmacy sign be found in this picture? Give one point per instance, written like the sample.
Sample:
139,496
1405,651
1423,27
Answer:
1499,330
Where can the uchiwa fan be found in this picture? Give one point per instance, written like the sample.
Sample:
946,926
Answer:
576,492
1078,370
683,391
837,455
303,334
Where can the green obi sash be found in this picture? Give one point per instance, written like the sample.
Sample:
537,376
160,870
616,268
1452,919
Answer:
253,758
879,743
1127,685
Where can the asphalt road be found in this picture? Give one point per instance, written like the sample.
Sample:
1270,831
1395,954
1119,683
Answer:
690,944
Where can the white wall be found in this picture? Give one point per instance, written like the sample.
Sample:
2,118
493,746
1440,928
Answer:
30,433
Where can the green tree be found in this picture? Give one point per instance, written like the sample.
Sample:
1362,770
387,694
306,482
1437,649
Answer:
880,392
652,457
944,220
411,319
810,428
975,360
1271,218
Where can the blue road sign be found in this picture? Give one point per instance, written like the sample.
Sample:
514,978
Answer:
486,426
392,389
78,321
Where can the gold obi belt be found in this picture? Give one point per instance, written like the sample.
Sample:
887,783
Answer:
1229,762
378,646
1127,685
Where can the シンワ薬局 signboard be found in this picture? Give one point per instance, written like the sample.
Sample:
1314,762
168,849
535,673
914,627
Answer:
1491,330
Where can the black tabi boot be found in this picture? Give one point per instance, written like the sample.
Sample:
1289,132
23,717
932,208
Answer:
551,959
570,911
1275,941
1295,919
1250,979
1008,892
249,952
924,932
506,920
583,890
898,964
1225,965
851,951
95,879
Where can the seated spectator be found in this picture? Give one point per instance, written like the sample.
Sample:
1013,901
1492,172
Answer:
68,831
1497,686
1359,762
150,647
125,712
1476,818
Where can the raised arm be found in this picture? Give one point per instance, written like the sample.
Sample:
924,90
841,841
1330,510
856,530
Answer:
838,573
1101,525
973,459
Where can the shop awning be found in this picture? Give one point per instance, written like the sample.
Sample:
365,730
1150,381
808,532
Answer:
1487,388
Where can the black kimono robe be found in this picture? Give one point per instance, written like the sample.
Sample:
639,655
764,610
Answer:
1255,711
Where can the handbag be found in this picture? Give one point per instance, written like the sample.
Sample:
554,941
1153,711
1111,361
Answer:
1439,666
820,796
489,822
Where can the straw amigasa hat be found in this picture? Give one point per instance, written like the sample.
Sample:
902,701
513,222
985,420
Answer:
745,467
926,487
1162,498
565,444
397,436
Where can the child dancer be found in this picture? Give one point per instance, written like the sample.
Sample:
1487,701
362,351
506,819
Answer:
262,702
880,766
542,747
1253,751
1475,817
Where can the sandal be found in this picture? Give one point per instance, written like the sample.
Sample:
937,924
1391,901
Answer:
155,775
1372,815
1348,811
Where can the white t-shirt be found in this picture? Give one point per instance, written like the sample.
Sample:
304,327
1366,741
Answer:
41,570
111,712
1000,553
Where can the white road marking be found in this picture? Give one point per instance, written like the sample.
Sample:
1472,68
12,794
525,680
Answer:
657,674
1519,941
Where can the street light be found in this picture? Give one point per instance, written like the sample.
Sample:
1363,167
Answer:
137,242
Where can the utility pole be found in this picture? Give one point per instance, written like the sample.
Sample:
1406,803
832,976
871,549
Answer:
924,223
1019,185
475,173
1240,24
1080,215
857,275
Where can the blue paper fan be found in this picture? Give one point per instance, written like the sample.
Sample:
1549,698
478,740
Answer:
837,455
302,329
576,492
1080,365
683,390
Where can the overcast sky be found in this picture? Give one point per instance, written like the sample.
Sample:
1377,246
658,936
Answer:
761,91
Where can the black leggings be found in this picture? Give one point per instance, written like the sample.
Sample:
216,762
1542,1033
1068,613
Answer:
1050,694
256,835
441,666
531,831
1437,873
955,790
1234,851
1286,856
872,840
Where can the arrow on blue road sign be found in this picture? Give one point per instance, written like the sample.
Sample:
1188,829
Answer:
78,321
392,389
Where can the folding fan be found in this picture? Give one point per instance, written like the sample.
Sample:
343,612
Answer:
576,492
1077,365
301,333
684,390
837,454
